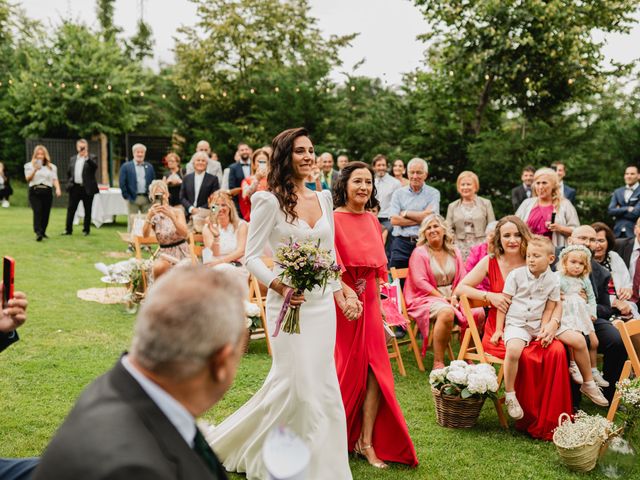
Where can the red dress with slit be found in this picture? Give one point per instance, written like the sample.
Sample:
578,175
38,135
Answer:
542,384
361,345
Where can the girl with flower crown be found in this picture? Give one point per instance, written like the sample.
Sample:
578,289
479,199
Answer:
578,316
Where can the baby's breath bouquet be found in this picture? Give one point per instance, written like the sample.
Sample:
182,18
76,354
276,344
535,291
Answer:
304,266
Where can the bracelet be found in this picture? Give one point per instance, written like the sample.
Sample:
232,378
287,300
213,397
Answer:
484,297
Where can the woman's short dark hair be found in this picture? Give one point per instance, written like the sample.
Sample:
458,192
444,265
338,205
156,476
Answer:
340,187
608,234
280,176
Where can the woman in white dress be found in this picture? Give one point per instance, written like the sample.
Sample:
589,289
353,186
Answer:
301,390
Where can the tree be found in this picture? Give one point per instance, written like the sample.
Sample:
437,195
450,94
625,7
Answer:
251,68
78,84
528,56
105,10
140,46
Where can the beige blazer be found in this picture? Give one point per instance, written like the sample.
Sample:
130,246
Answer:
482,216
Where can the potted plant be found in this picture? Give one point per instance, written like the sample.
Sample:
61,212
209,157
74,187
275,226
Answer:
459,391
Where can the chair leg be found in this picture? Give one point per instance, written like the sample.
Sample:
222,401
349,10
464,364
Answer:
398,356
497,402
414,346
626,371
450,352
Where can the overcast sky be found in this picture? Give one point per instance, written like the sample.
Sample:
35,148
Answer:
387,28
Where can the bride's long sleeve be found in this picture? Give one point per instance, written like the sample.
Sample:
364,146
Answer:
264,210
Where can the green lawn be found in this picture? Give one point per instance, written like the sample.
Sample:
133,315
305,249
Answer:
67,342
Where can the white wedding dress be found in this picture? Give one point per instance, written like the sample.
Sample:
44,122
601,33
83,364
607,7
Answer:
301,390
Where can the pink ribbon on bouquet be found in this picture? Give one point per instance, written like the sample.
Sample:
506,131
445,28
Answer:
283,311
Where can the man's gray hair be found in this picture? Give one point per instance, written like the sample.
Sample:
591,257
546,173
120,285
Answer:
138,146
198,155
188,315
418,161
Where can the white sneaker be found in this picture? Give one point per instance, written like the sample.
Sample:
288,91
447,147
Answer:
574,371
599,379
5,203
513,408
591,390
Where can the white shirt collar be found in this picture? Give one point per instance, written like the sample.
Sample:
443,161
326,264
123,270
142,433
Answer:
632,187
636,245
175,412
531,276
201,174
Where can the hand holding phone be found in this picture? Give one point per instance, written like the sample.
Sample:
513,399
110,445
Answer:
8,274
157,198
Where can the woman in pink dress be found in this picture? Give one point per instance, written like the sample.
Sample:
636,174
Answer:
543,372
375,425
435,268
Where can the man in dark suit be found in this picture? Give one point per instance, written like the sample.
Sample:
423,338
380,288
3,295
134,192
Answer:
197,186
238,172
523,191
135,178
624,206
81,185
567,192
138,421
610,342
12,316
327,173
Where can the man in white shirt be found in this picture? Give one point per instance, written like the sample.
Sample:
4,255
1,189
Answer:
139,419
385,186
197,186
214,167
81,185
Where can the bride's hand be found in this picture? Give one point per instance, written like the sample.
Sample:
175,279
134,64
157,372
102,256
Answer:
297,299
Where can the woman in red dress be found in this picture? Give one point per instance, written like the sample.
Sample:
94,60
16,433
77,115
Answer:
543,372
375,424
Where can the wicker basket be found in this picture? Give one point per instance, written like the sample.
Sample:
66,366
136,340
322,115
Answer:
581,458
455,411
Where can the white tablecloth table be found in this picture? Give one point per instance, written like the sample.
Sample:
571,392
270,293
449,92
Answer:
106,205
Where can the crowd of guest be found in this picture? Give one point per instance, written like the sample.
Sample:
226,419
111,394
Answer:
528,267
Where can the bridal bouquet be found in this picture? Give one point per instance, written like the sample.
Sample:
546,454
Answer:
304,266
465,380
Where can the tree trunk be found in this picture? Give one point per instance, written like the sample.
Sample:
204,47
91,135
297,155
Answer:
482,105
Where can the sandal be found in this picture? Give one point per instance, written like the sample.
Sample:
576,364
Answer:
359,450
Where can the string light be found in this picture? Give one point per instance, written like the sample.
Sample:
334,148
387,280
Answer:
224,93
141,93
328,90
0,84
95,86
35,84
486,77
570,81
184,97
164,96
50,84
126,92
10,82
253,90
276,89
109,87
201,96
526,80
353,88
63,85
77,86
297,89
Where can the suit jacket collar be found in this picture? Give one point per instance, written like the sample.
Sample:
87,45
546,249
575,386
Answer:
173,446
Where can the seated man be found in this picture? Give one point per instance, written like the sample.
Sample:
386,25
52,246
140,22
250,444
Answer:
138,421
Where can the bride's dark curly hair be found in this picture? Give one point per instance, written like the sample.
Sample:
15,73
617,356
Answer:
280,176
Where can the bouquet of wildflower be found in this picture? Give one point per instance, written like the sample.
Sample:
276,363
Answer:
583,429
304,266
127,272
465,380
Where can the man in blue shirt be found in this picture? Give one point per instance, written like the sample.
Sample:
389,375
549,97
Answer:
409,206
135,178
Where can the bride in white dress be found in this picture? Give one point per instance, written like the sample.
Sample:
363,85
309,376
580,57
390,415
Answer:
301,390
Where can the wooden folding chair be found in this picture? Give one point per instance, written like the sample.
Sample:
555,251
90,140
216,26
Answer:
138,242
395,354
412,327
471,349
627,330
258,295
196,245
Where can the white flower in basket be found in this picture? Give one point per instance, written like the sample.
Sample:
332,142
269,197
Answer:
465,380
